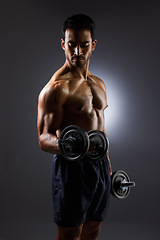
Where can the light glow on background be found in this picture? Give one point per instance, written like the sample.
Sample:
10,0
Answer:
116,112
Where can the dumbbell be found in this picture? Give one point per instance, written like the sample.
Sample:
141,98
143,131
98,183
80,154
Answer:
121,184
74,143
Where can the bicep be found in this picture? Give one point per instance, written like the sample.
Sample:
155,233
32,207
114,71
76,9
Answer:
50,110
49,122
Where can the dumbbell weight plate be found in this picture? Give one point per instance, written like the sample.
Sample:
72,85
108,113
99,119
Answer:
73,143
117,178
100,144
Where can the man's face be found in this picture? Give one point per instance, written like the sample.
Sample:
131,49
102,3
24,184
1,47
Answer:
78,46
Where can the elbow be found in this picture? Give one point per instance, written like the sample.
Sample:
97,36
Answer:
42,143
41,146
47,144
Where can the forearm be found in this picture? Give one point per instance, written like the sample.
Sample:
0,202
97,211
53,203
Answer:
49,143
109,162
110,167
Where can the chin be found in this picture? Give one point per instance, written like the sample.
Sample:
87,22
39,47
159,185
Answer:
80,64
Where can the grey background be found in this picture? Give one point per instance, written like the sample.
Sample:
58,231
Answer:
127,59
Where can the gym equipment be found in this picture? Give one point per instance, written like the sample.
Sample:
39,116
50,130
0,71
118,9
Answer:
121,184
74,143
100,142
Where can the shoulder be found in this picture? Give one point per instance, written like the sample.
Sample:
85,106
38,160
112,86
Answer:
54,94
98,81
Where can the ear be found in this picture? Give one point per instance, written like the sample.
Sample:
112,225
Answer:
62,43
94,44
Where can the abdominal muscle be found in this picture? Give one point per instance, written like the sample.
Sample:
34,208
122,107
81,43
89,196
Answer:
88,121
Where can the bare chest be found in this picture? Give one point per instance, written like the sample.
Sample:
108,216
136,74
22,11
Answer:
85,95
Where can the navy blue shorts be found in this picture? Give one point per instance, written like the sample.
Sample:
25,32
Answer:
80,189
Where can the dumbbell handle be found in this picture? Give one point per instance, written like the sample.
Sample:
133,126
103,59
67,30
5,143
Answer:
127,184
68,141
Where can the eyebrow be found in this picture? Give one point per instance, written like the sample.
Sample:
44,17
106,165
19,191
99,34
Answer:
74,42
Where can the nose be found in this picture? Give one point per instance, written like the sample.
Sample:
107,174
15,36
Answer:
77,50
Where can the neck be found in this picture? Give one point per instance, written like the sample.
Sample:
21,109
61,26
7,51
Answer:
78,71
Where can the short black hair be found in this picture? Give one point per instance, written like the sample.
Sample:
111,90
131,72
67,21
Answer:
79,22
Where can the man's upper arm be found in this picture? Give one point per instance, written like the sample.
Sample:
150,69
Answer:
50,110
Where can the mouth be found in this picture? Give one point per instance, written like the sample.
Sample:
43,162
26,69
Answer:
78,59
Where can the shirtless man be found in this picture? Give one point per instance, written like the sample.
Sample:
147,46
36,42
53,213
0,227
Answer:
73,96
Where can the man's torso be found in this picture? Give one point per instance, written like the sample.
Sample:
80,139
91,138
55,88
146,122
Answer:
85,100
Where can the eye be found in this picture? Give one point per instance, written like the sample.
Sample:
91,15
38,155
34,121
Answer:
83,45
72,45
